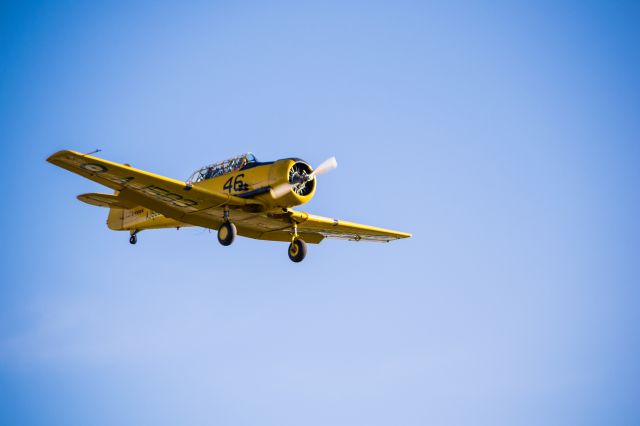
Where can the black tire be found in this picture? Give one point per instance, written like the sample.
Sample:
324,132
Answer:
227,233
133,239
297,250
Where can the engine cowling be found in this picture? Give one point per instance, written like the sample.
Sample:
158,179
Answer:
293,171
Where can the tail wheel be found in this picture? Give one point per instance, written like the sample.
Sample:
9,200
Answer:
297,250
133,239
227,233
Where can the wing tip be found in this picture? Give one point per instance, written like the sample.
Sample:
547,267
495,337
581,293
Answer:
58,154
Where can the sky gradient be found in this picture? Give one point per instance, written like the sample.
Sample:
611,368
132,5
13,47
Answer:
503,136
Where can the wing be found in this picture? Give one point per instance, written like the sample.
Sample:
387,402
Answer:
313,229
334,228
168,196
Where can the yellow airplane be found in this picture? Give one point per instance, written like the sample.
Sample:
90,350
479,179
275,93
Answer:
239,196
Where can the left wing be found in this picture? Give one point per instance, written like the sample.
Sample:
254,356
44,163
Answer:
168,196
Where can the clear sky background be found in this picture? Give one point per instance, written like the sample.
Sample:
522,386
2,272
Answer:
504,136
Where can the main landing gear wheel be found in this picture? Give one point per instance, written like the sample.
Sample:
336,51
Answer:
297,250
133,239
227,233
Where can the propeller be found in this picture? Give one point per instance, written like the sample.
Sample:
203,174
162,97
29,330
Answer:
324,167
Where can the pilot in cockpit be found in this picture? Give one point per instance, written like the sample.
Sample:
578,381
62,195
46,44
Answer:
209,173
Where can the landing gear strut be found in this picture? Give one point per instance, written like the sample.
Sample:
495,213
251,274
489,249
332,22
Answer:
133,238
297,248
227,231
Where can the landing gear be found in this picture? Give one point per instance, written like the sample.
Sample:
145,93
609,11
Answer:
297,250
227,231
133,238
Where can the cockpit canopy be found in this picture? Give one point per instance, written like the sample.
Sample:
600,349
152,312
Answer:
223,167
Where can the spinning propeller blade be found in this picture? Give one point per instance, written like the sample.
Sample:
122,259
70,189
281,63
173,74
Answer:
281,190
324,167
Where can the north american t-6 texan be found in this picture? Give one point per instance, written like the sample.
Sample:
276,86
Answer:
239,196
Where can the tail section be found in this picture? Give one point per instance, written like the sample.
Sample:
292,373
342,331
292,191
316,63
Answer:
117,207
124,215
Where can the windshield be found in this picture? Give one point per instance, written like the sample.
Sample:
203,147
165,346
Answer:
223,167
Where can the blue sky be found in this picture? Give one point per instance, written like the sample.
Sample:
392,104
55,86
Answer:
504,136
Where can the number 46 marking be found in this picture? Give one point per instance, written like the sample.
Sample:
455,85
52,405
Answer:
237,184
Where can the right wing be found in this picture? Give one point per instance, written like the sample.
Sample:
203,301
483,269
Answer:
168,196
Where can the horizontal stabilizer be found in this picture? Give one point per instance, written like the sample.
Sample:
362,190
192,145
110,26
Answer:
106,200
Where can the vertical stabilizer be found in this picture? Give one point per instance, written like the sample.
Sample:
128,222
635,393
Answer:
115,219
